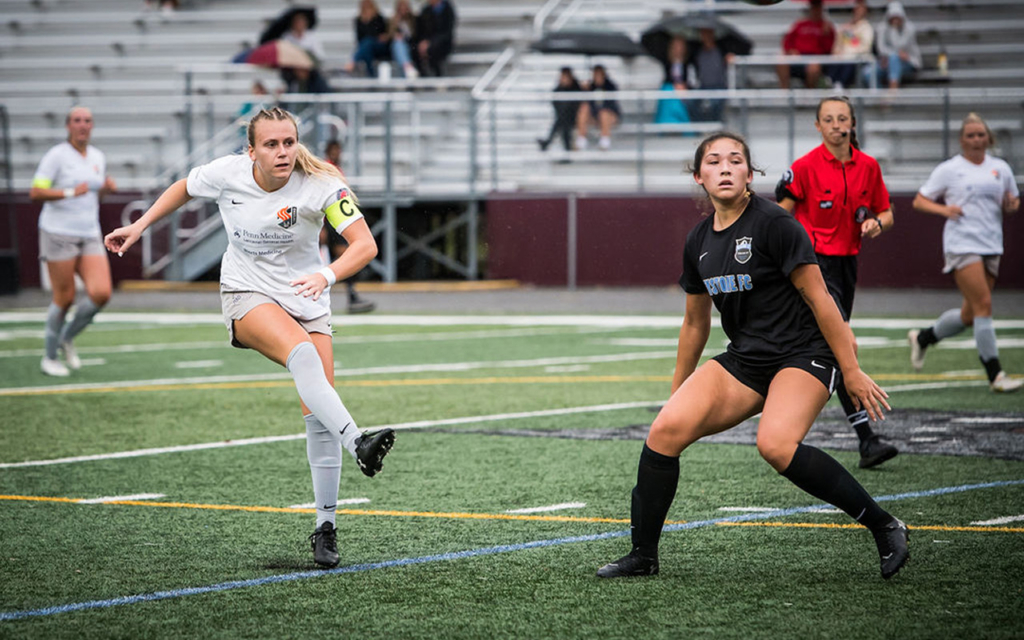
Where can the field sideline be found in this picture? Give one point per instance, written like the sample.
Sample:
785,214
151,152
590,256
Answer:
163,491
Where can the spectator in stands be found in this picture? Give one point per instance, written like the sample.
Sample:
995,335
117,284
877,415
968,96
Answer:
301,35
812,36
972,191
712,72
854,38
372,41
600,111
70,182
899,57
678,75
260,99
300,80
565,111
401,30
435,37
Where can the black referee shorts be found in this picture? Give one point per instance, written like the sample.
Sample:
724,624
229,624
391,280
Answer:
759,377
840,274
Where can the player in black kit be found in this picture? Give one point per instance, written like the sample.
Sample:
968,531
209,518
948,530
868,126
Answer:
788,344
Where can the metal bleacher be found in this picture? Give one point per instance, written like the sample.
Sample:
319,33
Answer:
160,84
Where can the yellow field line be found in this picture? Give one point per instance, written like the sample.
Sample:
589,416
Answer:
407,382
454,515
348,512
813,525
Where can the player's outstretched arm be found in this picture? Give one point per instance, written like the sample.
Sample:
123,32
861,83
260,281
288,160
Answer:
693,336
866,394
121,239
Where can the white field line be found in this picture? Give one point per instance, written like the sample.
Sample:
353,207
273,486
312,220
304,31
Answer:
338,339
135,496
299,436
986,420
998,521
312,505
347,373
647,321
550,507
198,364
747,509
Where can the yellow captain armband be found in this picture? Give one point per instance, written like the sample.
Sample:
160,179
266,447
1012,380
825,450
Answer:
41,183
340,213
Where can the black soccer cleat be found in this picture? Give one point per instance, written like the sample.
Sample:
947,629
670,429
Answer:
874,452
893,550
629,565
371,449
325,545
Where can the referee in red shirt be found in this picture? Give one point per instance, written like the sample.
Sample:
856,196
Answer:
838,194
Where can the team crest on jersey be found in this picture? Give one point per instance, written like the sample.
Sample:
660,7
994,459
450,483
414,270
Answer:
288,217
743,251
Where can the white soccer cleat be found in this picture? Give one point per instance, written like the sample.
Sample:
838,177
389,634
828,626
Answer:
916,350
1005,384
70,355
605,143
54,368
581,143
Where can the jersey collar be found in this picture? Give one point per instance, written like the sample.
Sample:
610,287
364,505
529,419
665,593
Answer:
827,156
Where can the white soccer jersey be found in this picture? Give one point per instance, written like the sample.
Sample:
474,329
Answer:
273,237
63,167
978,189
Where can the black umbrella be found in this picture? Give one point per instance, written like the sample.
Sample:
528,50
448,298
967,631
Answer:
729,39
283,23
588,43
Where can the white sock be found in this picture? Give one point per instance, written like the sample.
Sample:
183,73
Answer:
317,393
84,313
985,338
54,325
948,324
324,457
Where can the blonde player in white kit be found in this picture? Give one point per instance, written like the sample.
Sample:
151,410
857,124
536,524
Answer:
973,191
274,291
70,181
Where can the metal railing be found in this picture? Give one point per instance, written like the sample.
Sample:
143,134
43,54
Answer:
405,147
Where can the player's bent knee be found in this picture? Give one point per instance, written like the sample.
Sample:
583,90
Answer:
776,452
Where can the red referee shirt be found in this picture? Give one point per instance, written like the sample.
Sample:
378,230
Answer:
833,198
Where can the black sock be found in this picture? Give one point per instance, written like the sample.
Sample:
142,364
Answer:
820,475
857,419
926,338
992,368
656,479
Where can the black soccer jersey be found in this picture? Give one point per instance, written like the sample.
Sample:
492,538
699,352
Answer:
745,269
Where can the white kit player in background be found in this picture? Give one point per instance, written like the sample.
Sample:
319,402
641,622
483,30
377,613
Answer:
972,191
274,287
70,181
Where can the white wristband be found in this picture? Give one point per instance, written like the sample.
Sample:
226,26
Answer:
69,192
328,273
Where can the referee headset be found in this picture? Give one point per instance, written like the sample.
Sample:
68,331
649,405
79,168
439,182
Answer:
852,132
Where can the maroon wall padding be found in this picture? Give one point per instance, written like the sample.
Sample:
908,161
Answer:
638,241
528,238
128,267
